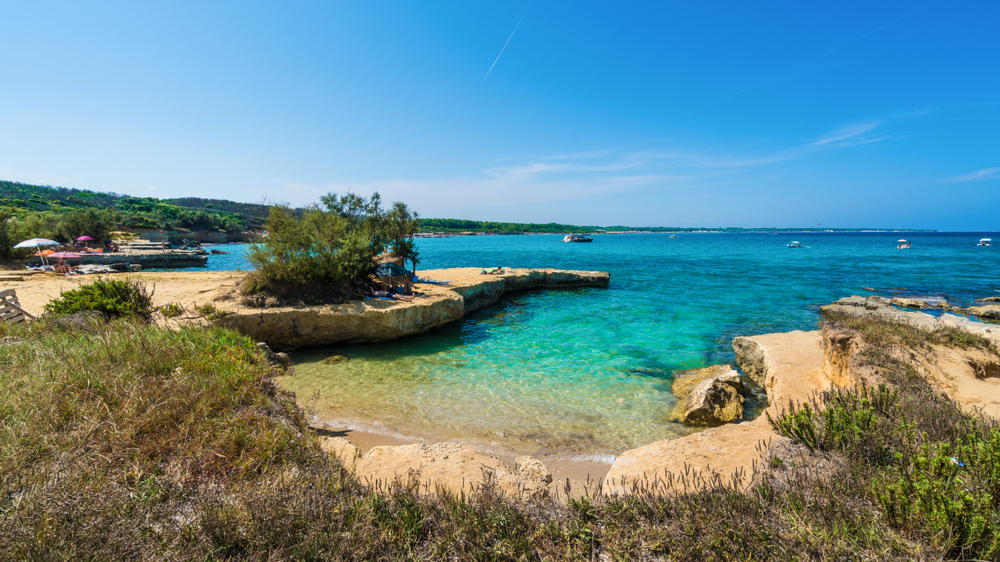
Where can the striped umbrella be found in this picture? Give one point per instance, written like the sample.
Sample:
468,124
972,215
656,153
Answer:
36,242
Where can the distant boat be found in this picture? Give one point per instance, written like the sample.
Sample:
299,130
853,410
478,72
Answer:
985,242
673,236
903,245
577,238
796,244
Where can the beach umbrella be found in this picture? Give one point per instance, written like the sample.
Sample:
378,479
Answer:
83,238
389,270
35,243
63,255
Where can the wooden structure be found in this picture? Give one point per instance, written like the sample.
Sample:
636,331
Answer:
10,309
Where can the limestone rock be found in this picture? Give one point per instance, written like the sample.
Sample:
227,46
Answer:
335,358
277,359
291,327
908,303
750,357
344,450
990,311
454,466
535,476
716,400
685,381
989,299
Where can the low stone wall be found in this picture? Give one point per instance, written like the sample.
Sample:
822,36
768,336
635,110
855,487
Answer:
287,328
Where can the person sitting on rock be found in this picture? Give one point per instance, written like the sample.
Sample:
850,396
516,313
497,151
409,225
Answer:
61,267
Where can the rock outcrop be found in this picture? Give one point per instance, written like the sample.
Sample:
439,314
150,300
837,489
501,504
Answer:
989,299
454,466
989,312
909,303
710,396
286,328
875,306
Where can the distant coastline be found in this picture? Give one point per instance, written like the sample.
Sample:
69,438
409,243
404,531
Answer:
666,230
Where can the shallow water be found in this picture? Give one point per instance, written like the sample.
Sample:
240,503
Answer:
587,372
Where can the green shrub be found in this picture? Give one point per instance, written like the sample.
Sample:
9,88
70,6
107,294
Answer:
171,310
326,252
111,297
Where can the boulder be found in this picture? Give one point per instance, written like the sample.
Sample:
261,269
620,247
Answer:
989,312
715,400
281,360
908,303
335,358
685,381
989,299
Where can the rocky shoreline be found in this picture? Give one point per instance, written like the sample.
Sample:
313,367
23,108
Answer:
789,367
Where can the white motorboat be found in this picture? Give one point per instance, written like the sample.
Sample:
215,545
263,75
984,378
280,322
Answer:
985,242
796,244
577,238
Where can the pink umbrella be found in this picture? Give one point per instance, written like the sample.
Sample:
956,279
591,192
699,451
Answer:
84,238
62,255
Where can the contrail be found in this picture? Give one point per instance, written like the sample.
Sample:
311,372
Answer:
501,50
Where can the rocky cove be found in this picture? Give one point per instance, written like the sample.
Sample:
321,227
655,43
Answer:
789,366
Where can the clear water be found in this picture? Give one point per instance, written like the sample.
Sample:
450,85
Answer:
588,371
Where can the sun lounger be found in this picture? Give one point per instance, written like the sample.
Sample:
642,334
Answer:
10,308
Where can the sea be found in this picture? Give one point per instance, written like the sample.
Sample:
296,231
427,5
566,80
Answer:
584,374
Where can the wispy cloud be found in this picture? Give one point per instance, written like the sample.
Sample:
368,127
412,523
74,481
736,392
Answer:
985,173
589,174
850,134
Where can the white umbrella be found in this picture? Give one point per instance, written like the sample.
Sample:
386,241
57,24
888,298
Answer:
35,243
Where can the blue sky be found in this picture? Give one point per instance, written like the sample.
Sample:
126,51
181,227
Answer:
845,114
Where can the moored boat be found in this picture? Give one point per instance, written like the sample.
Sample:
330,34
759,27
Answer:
796,244
577,238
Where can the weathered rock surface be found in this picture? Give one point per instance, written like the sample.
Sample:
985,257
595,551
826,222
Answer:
989,299
287,328
859,305
990,311
277,359
715,400
457,467
909,303
685,381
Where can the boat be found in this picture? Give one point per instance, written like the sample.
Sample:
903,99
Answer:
577,238
673,236
796,244
985,242
903,245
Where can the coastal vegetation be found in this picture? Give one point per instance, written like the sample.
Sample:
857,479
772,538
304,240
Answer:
325,252
125,440
33,211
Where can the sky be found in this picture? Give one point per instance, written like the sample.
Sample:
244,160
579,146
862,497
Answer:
785,114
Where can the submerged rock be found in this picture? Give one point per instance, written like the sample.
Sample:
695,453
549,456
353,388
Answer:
335,358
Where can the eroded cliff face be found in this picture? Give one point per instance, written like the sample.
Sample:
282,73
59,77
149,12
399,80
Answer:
287,328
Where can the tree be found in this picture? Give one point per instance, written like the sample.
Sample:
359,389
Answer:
327,252
85,222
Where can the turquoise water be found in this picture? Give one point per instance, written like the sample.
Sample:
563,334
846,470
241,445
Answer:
587,372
